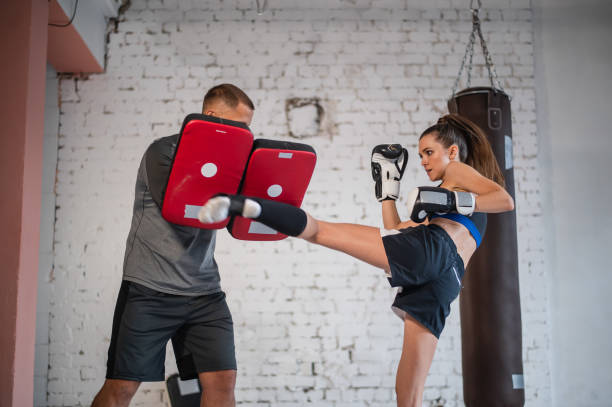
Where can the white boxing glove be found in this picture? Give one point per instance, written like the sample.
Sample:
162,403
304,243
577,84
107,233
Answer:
388,165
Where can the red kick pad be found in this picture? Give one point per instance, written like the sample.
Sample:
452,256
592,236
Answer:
210,158
279,171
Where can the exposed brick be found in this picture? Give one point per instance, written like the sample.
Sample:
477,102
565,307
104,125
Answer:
312,325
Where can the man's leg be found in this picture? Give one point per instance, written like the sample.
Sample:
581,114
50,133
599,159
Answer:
115,393
143,322
218,388
204,348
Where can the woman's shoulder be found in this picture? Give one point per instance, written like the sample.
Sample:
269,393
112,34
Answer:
456,172
458,167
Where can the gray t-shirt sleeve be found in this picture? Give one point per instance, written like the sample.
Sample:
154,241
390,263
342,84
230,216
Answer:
158,161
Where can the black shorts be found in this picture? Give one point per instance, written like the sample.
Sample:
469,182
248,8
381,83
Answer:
424,262
200,327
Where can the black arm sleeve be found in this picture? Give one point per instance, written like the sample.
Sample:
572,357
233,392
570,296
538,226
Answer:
158,160
285,218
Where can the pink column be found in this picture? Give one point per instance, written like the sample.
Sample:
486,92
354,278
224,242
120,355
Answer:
23,44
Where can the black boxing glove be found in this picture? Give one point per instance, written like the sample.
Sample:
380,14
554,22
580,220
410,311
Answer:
423,201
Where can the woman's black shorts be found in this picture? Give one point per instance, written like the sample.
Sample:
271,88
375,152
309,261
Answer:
145,320
425,265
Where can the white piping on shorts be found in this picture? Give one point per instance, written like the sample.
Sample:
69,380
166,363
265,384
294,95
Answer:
399,312
457,276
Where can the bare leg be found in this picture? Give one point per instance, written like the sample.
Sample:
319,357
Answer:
417,355
115,393
365,243
359,241
218,388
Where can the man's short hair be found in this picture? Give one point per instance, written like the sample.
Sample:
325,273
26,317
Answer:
227,93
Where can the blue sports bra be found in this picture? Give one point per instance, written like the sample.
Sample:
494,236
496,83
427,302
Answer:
476,223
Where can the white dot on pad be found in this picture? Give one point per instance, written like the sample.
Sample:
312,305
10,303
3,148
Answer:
275,190
209,170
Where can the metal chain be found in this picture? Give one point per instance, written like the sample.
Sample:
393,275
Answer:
489,62
470,51
469,70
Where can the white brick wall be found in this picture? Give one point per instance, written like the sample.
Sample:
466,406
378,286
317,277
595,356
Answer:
312,326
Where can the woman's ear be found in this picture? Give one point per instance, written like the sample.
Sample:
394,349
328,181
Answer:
453,152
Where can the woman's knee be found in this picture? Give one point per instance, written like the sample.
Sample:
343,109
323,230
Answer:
408,397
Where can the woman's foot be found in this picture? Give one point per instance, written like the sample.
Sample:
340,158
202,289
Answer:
218,208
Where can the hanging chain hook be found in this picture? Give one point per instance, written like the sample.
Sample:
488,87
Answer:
469,52
261,6
475,18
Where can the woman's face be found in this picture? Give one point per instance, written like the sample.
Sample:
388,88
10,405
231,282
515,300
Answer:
435,157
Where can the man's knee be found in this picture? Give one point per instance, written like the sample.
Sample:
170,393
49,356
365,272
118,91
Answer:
223,381
120,391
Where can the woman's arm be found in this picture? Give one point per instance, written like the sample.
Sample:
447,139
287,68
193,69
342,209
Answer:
391,219
491,197
390,216
410,224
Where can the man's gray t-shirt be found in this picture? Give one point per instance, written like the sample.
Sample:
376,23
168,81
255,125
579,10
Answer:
161,255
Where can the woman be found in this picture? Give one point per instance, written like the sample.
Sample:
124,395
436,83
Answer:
425,260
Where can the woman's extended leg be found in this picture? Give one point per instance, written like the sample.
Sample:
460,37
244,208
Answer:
362,242
417,355
359,241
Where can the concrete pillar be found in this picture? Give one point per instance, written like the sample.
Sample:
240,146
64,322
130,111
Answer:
23,45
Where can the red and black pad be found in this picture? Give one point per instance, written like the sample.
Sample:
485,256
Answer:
210,159
279,171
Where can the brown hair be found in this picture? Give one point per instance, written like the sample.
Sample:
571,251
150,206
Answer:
229,94
474,148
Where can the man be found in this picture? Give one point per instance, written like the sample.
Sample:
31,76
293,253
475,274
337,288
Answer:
170,287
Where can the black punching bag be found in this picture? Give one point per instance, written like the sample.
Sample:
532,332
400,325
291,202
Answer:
490,303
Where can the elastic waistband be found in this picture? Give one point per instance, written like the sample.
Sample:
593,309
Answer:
465,221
